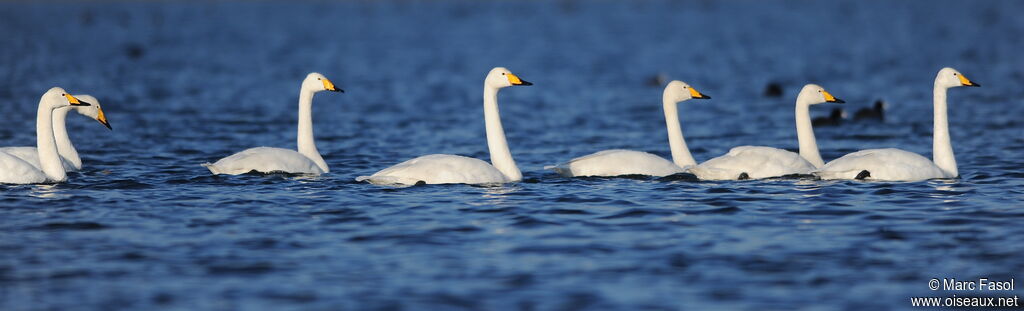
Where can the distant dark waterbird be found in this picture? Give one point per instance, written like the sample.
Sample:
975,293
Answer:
773,89
835,118
657,80
876,112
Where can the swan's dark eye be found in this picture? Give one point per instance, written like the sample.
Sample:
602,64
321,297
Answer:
318,78
503,73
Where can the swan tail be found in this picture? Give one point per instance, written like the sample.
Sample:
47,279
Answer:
390,181
851,174
704,173
213,168
561,169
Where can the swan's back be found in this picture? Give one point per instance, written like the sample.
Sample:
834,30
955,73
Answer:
617,162
265,160
14,170
756,161
882,164
438,169
31,155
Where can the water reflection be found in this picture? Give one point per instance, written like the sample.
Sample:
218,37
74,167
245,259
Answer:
48,191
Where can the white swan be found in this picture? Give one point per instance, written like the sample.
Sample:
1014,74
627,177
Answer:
68,153
14,170
755,162
618,162
306,160
453,169
898,165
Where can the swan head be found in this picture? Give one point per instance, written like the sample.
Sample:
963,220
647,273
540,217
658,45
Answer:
316,82
814,94
93,110
949,78
678,91
57,97
499,77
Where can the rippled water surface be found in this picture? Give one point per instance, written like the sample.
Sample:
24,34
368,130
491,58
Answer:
143,226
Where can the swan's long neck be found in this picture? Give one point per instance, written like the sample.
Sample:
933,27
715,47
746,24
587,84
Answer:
680,153
307,146
805,133
60,133
501,157
49,159
942,149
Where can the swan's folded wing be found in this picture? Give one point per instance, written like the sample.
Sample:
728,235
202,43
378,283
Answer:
882,164
439,169
265,160
14,170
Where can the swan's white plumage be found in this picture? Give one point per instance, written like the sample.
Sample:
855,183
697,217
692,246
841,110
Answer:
765,162
306,160
899,165
438,169
453,169
68,154
31,155
14,170
757,161
617,162
265,160
882,164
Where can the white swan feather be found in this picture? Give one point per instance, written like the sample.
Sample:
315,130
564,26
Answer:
306,160
898,165
882,164
14,170
265,160
619,162
68,154
756,162
438,169
453,169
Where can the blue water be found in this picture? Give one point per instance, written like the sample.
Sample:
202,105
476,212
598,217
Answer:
144,227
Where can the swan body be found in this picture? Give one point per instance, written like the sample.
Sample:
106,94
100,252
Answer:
453,169
882,164
306,160
14,170
898,165
68,154
755,162
618,162
439,169
265,160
